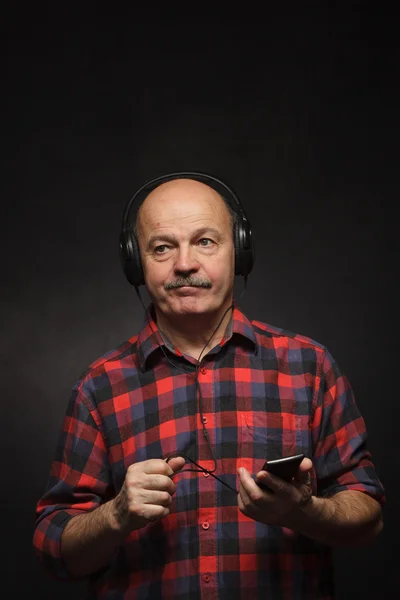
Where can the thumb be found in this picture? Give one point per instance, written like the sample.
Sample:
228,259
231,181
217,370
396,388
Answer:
303,473
176,463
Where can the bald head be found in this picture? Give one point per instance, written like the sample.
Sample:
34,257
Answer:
183,191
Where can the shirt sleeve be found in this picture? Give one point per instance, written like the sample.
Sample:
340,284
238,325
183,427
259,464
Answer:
341,458
79,481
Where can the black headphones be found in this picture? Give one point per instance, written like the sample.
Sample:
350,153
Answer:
128,244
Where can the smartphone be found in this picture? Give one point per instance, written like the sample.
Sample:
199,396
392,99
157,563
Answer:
285,468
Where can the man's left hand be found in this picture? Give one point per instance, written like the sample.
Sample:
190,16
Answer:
282,503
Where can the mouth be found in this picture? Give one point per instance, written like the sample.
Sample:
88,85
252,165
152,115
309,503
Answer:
187,289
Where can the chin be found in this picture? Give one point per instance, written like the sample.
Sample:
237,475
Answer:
187,307
191,306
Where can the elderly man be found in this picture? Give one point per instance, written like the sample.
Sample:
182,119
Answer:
157,489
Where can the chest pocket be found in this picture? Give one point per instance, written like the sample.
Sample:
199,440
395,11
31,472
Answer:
265,434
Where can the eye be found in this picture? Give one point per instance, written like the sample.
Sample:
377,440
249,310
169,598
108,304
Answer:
161,249
205,242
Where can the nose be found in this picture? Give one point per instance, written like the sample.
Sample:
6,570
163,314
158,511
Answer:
186,261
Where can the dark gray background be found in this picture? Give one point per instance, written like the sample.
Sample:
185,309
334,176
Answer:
296,109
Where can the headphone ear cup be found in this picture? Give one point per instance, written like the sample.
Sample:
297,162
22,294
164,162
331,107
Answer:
244,250
236,241
130,258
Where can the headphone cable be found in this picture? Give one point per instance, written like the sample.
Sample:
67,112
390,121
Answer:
195,376
198,388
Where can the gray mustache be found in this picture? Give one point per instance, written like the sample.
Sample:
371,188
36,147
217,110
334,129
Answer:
188,281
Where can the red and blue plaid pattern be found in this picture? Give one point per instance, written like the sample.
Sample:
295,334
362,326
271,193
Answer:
266,393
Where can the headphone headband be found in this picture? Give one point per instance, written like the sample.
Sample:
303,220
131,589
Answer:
129,248
217,184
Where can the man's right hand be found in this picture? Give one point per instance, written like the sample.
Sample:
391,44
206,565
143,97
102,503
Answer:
146,494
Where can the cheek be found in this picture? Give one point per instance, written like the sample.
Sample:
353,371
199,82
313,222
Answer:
221,273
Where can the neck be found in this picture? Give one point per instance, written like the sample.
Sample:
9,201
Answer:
190,333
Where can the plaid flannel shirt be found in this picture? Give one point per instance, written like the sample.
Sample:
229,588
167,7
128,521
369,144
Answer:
266,393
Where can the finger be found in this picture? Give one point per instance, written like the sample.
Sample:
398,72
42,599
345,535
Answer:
243,492
249,489
303,474
159,483
273,483
152,465
155,512
161,466
157,498
305,465
176,463
248,508
244,500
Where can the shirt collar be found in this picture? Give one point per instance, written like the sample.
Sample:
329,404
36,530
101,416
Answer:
150,337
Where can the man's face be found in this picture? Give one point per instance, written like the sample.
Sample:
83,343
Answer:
186,247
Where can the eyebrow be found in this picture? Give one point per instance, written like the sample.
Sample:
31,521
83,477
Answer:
167,237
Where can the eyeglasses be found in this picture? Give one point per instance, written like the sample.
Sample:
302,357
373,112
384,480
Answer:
199,469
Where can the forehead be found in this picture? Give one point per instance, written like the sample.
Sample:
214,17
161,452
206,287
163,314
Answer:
180,199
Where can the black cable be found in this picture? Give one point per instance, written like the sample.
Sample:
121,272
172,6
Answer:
200,469
198,389
196,375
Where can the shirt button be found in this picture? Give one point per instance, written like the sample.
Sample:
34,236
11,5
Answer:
205,525
206,577
203,370
205,420
205,474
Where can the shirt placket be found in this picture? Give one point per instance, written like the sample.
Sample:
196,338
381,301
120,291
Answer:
207,499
